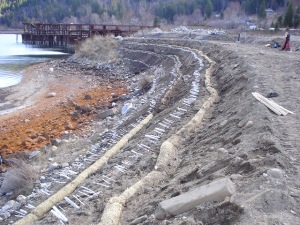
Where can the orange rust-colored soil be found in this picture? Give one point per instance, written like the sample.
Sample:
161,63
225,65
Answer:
49,117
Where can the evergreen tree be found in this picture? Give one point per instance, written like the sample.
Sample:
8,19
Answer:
208,9
156,21
297,17
262,10
288,17
222,15
277,26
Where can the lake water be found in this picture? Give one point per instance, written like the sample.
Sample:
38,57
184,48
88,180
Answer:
15,57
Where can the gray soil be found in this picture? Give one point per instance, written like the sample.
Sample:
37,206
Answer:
239,138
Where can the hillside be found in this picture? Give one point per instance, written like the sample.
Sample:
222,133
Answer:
146,12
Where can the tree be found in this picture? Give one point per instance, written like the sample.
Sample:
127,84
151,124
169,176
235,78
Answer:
208,9
277,26
262,10
280,21
288,17
297,17
156,21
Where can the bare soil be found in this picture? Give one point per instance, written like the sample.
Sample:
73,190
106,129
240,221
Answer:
240,138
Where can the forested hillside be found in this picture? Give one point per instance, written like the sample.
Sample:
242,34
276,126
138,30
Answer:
14,12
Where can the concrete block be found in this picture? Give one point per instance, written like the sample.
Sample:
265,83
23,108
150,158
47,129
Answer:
214,191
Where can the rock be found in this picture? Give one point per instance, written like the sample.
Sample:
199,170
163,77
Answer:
249,124
75,114
139,220
54,166
27,120
86,108
236,177
43,179
28,131
51,94
2,169
126,108
6,215
87,97
211,148
10,205
34,135
241,124
65,165
55,142
149,79
275,173
27,142
54,148
222,152
33,154
22,199
272,95
114,95
40,139
109,87
214,191
237,160
69,125
223,123
103,115
189,221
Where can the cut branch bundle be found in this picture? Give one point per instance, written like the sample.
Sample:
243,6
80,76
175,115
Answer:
279,110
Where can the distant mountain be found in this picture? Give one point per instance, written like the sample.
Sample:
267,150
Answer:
145,12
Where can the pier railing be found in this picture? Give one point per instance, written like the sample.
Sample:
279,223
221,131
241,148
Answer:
68,34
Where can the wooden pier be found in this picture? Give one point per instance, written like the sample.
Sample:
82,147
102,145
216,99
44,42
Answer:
69,34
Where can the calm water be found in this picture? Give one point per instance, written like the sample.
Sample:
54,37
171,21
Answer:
15,57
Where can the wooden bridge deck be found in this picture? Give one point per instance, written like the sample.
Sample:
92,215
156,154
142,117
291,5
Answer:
11,31
69,34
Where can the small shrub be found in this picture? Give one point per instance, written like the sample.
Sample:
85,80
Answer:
19,178
98,48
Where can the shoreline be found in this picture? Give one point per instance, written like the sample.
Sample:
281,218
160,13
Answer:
28,121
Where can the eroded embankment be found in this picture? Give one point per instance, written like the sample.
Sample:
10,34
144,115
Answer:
225,144
239,139
153,135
